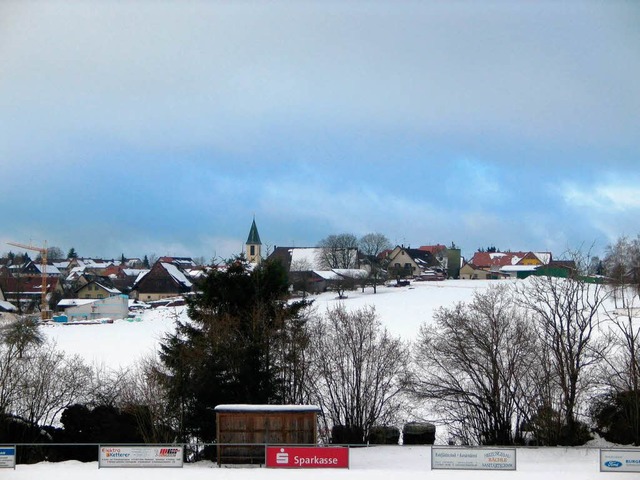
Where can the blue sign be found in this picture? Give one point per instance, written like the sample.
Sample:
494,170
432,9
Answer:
620,460
7,456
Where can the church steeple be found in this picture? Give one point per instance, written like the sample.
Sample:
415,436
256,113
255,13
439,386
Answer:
254,245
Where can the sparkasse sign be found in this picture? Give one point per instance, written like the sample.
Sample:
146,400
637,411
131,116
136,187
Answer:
307,457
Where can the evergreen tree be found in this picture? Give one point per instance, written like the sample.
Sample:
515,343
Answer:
145,262
229,350
72,253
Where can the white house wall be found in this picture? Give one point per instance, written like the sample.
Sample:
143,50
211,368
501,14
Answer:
115,307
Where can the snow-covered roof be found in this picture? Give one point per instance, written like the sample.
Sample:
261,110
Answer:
133,303
177,274
141,275
518,268
196,273
75,273
112,290
266,408
51,269
7,307
305,258
91,263
74,302
544,257
351,272
327,274
134,272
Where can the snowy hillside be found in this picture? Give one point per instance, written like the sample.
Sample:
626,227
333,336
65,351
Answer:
122,343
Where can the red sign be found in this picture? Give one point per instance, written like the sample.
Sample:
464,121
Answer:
307,457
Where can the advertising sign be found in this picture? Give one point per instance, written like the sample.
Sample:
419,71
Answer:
620,460
131,457
307,457
454,458
7,456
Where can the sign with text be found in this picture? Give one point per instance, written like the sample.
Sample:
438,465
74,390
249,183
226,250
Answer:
454,458
7,456
307,457
131,457
620,460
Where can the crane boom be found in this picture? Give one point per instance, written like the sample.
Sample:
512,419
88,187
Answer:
27,247
45,314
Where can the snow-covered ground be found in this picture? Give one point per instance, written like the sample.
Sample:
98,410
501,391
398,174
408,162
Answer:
120,344
373,463
402,311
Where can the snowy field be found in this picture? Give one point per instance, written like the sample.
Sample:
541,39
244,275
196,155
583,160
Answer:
373,463
402,311
121,344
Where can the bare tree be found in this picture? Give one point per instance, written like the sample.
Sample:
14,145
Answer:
618,408
292,349
18,340
338,251
49,383
470,366
55,254
567,313
372,245
358,369
621,368
9,375
144,396
622,264
21,334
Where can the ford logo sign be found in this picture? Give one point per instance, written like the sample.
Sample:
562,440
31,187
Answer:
613,464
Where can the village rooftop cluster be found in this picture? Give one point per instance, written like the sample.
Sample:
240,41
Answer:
87,289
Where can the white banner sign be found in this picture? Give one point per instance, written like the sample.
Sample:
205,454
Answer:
130,457
454,458
7,456
620,460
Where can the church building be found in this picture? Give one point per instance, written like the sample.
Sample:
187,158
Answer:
253,249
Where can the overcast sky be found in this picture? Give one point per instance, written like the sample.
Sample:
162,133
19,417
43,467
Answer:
163,127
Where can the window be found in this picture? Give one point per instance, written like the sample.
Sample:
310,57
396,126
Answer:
252,250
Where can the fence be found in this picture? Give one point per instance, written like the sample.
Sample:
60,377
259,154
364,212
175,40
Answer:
382,457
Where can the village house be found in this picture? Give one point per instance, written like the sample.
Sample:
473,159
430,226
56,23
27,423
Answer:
95,289
469,271
27,291
35,269
164,280
406,262
306,272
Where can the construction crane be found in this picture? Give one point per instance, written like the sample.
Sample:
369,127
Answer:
45,313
